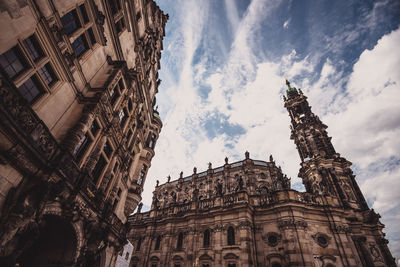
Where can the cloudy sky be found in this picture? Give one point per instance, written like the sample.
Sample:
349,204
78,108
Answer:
223,69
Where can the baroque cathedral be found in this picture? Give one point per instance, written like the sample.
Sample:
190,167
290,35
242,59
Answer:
78,126
245,213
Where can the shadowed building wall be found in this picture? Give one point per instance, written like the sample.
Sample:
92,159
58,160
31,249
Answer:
78,125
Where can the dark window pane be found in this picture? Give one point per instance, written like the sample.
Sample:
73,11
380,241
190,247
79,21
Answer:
138,245
84,13
80,45
31,89
91,36
158,242
70,22
12,62
180,241
32,46
121,85
82,147
231,236
48,74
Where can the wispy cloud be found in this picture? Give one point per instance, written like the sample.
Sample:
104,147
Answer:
217,104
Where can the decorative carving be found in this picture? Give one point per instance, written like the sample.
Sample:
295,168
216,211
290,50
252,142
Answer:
286,224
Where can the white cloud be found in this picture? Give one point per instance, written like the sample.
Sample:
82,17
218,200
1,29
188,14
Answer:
361,109
286,24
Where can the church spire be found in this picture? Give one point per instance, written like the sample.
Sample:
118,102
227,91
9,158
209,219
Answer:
323,171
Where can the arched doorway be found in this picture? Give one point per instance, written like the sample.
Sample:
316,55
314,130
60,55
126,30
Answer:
55,247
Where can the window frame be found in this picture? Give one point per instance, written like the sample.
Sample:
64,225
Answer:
31,67
82,31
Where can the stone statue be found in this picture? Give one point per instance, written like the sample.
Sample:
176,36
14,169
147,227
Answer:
271,159
209,165
139,209
155,202
181,174
226,160
247,154
219,189
169,178
240,184
157,183
194,170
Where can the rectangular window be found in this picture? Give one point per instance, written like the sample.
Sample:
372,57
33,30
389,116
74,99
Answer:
70,22
13,63
80,45
33,48
48,75
31,89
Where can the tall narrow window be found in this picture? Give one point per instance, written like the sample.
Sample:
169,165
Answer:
180,241
206,238
231,236
158,243
139,243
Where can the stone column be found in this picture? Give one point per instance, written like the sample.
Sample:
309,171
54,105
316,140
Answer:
107,176
80,128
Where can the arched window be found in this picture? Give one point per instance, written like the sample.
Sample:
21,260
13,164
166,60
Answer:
231,236
158,242
180,241
206,238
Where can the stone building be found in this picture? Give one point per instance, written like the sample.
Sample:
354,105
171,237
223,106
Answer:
245,213
78,126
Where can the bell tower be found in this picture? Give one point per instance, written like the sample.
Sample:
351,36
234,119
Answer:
322,170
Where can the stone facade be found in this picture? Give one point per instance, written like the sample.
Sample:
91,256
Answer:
78,126
245,214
